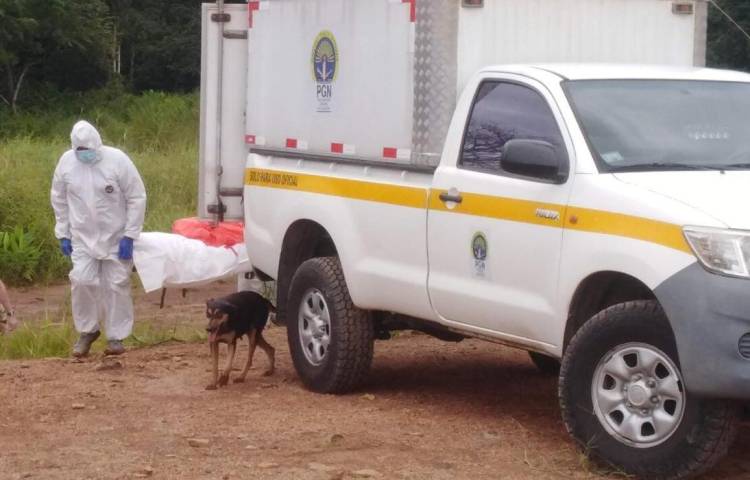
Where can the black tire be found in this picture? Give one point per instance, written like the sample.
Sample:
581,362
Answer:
349,354
702,436
545,364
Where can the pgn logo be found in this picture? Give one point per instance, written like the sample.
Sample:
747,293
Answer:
325,65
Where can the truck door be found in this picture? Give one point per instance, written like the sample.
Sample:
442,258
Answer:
223,83
494,238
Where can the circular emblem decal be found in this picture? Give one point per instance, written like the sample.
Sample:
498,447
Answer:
109,189
325,57
479,246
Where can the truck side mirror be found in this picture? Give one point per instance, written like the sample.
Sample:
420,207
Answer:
535,159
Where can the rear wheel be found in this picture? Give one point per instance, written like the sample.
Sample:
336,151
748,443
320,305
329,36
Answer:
623,397
331,340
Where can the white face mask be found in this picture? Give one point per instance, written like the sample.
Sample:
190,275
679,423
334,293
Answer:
86,156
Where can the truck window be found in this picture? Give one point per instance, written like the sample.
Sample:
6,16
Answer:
504,111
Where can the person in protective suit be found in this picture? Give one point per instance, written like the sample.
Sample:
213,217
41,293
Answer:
99,202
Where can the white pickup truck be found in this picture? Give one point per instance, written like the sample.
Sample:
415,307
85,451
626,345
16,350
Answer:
589,214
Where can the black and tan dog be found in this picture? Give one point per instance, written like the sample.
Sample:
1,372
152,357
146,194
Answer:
231,317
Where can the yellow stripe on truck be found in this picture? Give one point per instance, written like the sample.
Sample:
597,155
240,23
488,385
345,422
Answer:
574,218
501,208
639,228
339,187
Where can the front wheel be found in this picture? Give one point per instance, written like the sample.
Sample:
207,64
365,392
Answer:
624,400
331,340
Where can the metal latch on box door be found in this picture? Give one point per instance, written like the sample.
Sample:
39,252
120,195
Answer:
231,192
216,209
235,34
220,17
221,208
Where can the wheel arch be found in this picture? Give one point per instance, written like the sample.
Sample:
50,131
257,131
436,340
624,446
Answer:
599,291
304,239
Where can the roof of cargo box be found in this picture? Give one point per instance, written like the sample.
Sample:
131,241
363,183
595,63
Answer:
581,71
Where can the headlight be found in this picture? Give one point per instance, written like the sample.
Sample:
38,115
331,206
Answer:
721,251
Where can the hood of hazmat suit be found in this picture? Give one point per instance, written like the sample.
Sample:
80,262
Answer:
85,135
98,203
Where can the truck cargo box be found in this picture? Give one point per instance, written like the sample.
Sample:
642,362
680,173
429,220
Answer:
378,79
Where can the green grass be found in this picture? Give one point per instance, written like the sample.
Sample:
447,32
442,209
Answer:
51,333
47,339
159,131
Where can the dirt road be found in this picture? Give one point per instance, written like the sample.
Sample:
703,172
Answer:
431,410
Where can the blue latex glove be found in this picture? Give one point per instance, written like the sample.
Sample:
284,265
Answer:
126,249
66,247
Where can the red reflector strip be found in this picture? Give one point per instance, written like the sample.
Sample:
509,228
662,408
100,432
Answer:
252,6
255,140
413,9
344,148
390,152
296,144
397,153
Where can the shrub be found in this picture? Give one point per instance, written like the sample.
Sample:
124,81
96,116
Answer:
19,256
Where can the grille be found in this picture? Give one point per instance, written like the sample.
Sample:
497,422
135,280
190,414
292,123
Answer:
745,346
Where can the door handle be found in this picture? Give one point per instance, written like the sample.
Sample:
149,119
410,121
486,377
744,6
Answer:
447,197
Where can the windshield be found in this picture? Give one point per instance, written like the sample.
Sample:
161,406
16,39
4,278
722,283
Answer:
646,125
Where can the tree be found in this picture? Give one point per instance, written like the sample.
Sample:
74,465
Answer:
159,43
728,47
39,33
14,29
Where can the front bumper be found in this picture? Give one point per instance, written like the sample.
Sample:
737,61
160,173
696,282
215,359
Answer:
709,314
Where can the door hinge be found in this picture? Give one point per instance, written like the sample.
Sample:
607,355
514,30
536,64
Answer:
220,17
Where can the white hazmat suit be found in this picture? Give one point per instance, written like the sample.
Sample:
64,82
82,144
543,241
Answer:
97,204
